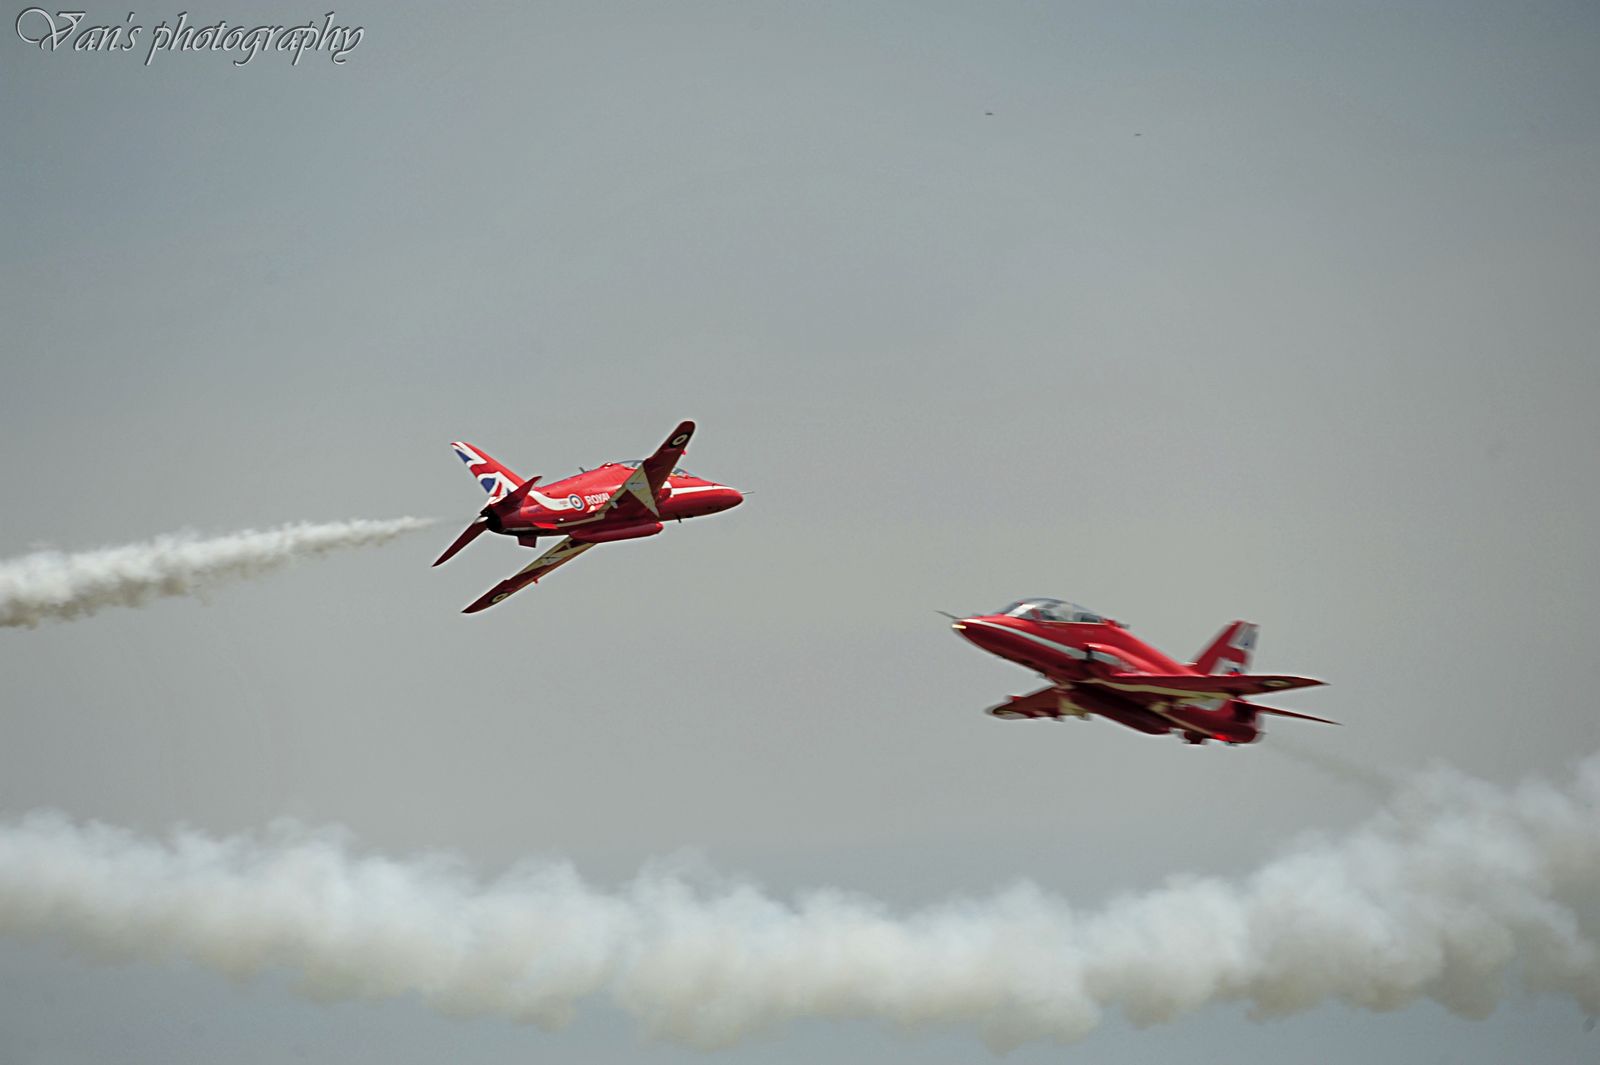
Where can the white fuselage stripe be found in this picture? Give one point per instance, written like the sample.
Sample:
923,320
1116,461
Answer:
1069,651
1155,689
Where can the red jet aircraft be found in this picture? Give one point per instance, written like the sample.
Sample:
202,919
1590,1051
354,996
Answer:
1096,666
617,501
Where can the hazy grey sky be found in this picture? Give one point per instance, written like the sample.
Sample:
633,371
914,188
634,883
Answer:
1284,312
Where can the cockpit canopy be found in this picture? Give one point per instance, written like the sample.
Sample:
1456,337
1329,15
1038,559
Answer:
1052,610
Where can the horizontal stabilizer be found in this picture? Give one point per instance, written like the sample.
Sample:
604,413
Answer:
468,535
1290,713
1187,685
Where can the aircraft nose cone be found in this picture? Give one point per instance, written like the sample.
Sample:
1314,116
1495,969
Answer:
982,632
731,497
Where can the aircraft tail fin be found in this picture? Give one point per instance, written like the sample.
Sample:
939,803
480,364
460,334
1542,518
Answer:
1229,652
494,478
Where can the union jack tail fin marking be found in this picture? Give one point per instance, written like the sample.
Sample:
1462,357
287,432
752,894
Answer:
492,477
1230,652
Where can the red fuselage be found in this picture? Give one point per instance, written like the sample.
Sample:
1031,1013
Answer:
572,506
1076,656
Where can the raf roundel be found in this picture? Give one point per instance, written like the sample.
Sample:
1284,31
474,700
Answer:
680,440
575,501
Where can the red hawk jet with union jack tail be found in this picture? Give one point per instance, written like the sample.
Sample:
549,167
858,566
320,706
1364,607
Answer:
617,501
1096,666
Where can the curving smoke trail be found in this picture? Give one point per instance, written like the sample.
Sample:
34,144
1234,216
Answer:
1458,891
56,586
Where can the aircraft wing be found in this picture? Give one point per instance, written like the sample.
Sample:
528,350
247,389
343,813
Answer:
564,552
636,496
1193,686
1046,702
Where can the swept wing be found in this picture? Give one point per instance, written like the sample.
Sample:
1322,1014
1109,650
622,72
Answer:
636,496
559,555
1189,686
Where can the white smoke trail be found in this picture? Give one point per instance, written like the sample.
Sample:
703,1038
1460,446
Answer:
56,586
1455,891
1377,781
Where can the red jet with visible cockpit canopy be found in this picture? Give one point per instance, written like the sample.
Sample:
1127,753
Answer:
617,501
1096,666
